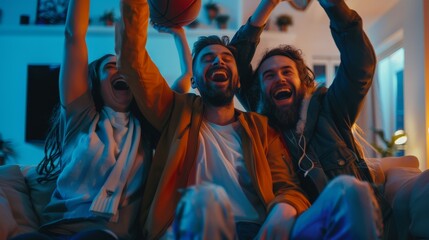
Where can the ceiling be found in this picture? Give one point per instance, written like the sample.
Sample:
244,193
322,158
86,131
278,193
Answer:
371,10
310,27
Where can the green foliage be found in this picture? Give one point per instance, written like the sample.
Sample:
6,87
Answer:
284,19
390,147
108,16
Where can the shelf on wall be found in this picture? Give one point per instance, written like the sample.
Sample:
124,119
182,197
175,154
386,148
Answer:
100,30
286,37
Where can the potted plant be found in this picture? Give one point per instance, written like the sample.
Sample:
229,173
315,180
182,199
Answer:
222,20
283,21
6,150
212,10
194,24
108,18
392,145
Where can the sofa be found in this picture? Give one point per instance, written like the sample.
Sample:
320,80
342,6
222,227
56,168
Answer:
22,198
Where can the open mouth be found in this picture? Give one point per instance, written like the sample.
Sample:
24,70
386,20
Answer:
218,74
283,94
120,84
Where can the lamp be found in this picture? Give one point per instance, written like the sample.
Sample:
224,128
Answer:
400,137
396,143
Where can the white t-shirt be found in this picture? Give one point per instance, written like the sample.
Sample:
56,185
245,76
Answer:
220,161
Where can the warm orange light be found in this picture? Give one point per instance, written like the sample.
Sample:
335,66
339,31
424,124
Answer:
401,137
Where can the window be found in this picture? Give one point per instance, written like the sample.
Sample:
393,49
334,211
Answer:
390,74
325,69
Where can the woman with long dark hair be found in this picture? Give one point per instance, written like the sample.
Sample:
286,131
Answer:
98,149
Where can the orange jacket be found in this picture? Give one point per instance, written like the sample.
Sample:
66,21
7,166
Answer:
178,117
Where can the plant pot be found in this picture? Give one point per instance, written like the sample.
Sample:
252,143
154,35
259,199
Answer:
283,27
222,21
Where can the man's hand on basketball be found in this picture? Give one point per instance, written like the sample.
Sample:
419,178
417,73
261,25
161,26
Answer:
170,30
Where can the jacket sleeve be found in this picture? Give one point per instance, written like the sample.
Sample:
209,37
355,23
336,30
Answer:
245,41
355,74
286,185
151,92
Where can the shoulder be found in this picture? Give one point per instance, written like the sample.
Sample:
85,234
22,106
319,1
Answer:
253,116
255,120
260,122
187,99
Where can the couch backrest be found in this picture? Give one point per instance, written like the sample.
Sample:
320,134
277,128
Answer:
40,193
15,196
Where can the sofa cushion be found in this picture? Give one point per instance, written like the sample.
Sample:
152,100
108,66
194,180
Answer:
7,222
399,185
14,188
40,193
419,207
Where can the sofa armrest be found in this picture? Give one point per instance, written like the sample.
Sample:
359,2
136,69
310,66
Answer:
379,167
409,161
40,193
16,193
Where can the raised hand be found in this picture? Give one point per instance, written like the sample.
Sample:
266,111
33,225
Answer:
170,30
183,82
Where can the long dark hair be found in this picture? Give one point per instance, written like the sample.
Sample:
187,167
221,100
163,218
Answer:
50,166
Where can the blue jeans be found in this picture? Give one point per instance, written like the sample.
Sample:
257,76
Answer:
346,209
86,235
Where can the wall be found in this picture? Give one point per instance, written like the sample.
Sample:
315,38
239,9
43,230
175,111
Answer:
12,9
426,81
407,16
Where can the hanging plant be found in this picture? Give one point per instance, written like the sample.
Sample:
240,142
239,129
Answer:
222,21
283,21
108,18
212,10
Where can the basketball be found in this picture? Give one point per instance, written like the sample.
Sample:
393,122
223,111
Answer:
174,13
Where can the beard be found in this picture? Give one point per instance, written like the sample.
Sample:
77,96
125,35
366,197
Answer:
283,118
217,97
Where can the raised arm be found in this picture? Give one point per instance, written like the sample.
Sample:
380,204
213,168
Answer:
73,80
151,92
183,83
245,41
358,61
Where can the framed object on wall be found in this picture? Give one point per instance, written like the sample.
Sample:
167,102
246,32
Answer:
51,11
42,97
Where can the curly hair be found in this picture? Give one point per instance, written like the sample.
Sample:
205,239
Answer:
205,41
304,72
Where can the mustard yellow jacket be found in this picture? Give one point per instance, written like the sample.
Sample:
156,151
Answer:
178,117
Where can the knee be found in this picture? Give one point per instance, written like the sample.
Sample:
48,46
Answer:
204,200
351,190
204,210
205,195
348,185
